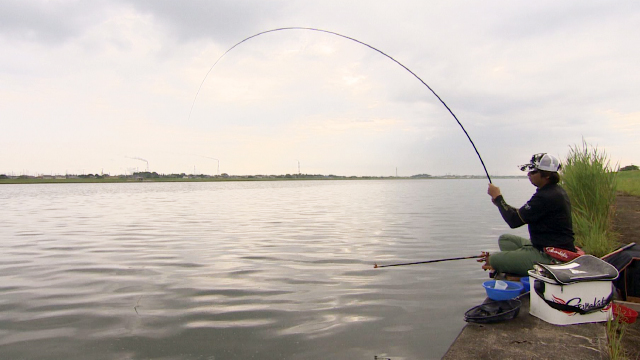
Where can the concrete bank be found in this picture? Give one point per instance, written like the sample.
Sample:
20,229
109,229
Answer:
527,337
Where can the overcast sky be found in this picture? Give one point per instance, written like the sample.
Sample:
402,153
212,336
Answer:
110,86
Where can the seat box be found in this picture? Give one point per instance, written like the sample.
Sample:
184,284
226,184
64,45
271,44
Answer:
584,294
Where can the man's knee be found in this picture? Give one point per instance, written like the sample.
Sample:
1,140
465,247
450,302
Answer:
505,237
508,242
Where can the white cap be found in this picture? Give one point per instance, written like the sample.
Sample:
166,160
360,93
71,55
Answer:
542,161
549,162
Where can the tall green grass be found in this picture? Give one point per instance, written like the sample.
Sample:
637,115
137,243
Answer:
590,183
628,182
615,333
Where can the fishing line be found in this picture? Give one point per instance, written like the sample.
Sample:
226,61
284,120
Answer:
359,42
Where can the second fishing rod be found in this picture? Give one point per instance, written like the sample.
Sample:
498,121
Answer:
482,257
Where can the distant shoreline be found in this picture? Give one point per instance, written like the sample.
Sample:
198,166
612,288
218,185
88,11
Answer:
131,179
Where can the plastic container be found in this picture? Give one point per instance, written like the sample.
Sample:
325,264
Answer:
624,314
512,291
500,285
525,283
585,294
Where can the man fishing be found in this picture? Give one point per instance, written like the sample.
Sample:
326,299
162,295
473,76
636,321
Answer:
547,214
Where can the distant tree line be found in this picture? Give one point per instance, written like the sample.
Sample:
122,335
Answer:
148,175
629,168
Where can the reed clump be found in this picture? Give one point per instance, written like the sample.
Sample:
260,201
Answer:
590,182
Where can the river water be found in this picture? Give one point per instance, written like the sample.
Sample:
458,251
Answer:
242,270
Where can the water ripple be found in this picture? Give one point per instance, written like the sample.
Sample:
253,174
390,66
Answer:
267,270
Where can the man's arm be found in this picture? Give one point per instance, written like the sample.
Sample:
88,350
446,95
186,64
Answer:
510,214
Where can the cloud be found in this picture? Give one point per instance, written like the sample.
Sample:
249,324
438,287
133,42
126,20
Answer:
94,82
221,20
49,22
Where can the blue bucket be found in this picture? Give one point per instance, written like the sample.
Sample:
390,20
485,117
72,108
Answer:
525,283
513,290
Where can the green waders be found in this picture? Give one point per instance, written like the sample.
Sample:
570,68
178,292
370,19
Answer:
517,256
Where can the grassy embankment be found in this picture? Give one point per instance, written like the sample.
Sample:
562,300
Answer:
629,182
592,185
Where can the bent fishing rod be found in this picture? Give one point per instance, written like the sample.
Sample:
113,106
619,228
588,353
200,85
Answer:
482,256
359,42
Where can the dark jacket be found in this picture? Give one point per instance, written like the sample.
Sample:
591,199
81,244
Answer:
548,214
